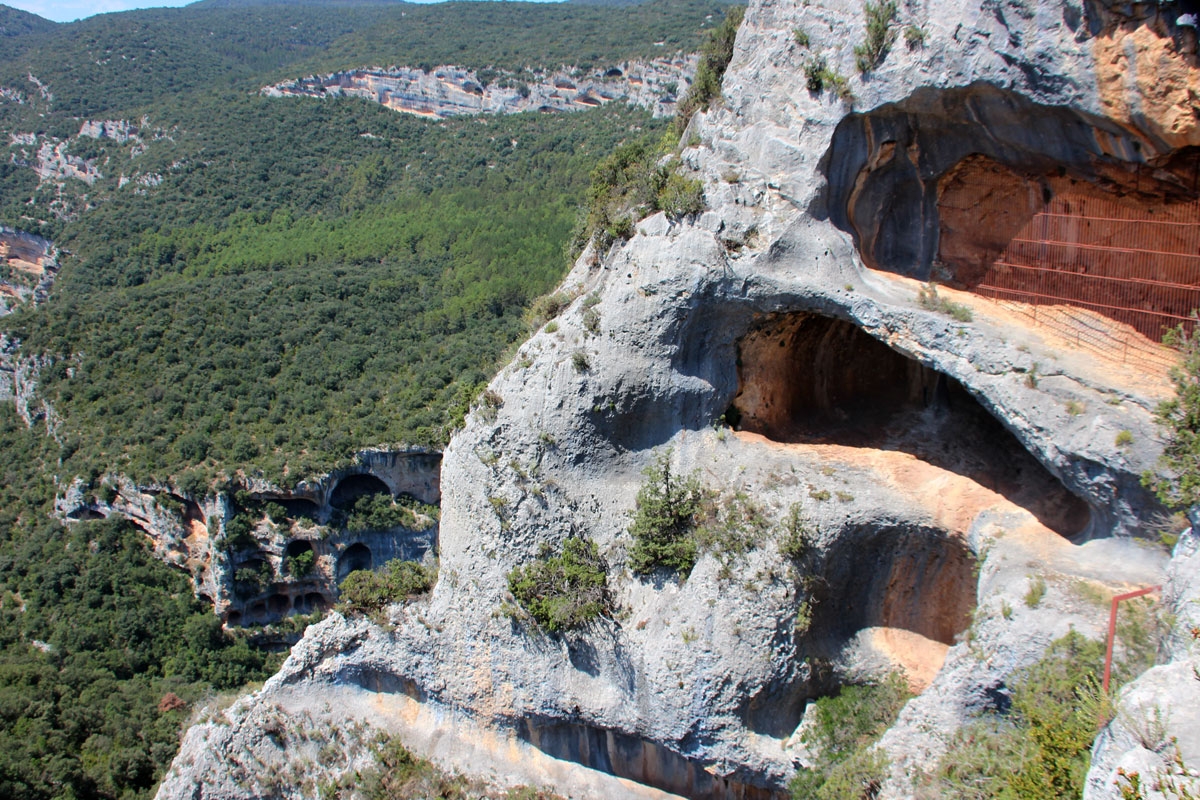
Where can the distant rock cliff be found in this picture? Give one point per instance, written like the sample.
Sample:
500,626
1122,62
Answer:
947,448
259,553
449,91
28,266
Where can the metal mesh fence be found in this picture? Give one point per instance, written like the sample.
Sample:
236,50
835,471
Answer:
1136,267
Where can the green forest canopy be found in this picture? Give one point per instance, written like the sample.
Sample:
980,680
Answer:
308,278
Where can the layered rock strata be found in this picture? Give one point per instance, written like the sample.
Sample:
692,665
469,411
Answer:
944,464
449,91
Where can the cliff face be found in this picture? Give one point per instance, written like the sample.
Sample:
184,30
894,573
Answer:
948,450
449,91
262,553
28,266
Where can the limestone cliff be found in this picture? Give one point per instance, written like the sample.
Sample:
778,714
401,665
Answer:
449,91
260,553
28,266
946,462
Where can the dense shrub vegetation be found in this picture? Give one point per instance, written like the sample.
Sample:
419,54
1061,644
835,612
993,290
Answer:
365,591
193,332
1041,746
565,591
1179,419
103,649
845,726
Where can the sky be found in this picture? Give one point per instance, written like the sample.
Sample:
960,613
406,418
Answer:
71,10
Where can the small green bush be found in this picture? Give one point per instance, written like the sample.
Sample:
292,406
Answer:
796,542
880,36
1037,590
801,37
366,591
729,526
546,308
1124,438
681,197
276,512
580,361
914,37
665,515
928,297
239,533
844,728
818,77
300,565
562,592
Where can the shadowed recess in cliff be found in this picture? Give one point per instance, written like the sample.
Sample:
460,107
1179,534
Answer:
887,172
808,378
911,584
354,486
637,760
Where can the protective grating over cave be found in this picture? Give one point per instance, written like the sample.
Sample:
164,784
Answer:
1127,259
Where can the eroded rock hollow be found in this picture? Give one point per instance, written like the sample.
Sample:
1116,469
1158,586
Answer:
807,377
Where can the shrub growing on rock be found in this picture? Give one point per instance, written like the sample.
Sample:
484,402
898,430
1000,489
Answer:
301,564
845,727
378,512
715,55
364,590
1179,418
880,36
1040,747
562,592
665,516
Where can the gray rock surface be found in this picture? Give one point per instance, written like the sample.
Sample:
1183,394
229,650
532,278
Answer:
1156,731
698,686
449,91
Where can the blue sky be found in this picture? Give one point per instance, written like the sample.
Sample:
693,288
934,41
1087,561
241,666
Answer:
70,10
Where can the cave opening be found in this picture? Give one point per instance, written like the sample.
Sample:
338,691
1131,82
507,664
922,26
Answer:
310,602
905,592
352,487
278,604
988,191
357,556
809,378
297,547
917,579
300,508
192,512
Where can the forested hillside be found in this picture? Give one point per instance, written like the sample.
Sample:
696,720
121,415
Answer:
115,63
250,286
334,224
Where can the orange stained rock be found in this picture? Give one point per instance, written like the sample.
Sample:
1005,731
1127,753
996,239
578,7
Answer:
1141,74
